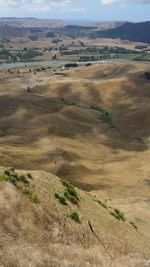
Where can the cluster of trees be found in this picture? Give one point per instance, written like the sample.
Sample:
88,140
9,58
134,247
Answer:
141,47
111,50
147,74
56,41
26,54
5,54
33,38
143,57
103,51
75,31
50,35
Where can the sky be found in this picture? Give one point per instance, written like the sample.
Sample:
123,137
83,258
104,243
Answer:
89,10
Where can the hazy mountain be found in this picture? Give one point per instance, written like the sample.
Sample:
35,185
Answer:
137,32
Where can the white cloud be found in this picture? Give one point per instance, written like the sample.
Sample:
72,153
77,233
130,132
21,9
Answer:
35,3
108,2
47,4
74,10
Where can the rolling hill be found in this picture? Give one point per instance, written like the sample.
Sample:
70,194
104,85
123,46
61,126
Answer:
90,127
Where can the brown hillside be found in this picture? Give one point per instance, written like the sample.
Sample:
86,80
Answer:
91,127
43,234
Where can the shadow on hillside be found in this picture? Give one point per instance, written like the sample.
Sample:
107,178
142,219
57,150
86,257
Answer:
133,115
32,116
31,122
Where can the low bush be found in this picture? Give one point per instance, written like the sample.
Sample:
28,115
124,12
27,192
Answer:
74,216
96,108
118,215
134,225
71,198
29,175
103,204
32,196
12,177
20,181
70,192
105,115
61,199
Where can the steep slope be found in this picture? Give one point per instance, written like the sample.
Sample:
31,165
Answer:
39,231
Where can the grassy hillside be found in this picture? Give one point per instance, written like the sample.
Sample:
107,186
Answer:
43,231
99,107
91,127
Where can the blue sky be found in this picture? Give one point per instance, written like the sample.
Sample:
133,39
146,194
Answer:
97,10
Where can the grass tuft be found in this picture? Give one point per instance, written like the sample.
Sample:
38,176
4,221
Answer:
70,192
71,198
29,175
61,199
103,204
75,217
134,225
32,196
12,177
20,181
118,215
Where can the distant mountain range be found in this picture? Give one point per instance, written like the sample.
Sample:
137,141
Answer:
136,32
31,22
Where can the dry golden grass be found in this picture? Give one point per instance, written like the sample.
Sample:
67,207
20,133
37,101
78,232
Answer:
38,130
66,256
43,235
55,129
